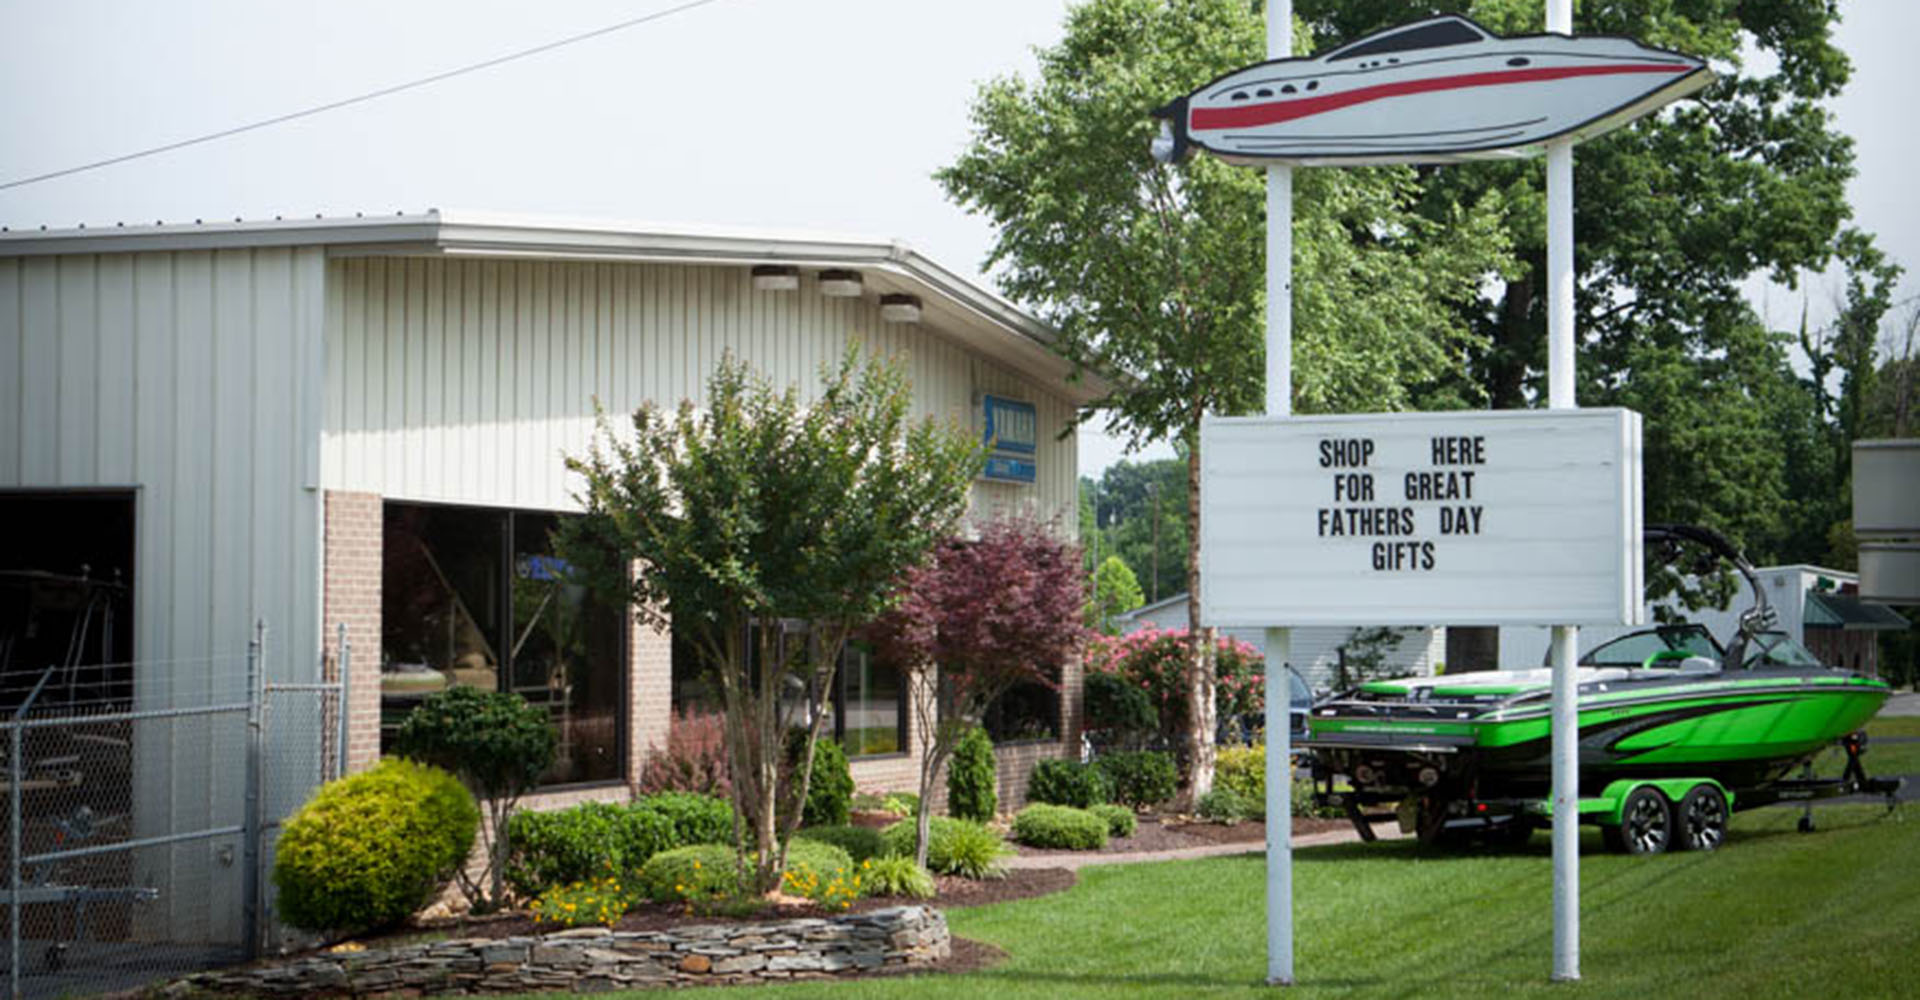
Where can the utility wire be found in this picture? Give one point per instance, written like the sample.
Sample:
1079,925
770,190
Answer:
363,98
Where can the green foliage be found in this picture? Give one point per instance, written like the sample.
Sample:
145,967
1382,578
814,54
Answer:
897,876
1154,661
1120,820
601,901
1223,805
702,873
1121,711
970,778
763,506
1242,770
1362,656
1115,592
954,847
830,793
582,842
1068,783
821,872
1137,511
1141,778
371,848
860,842
499,746
1044,825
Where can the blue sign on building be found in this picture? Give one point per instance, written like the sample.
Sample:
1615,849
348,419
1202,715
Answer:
1009,469
1011,435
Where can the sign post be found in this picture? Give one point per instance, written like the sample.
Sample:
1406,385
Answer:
1434,91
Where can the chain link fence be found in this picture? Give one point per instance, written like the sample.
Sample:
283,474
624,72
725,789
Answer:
141,803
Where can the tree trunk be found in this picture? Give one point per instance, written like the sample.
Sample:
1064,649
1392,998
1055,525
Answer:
1200,718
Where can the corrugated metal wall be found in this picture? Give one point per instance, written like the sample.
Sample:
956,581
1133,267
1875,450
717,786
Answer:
466,380
191,377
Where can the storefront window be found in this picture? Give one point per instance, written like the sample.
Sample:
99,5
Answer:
475,597
1029,711
869,700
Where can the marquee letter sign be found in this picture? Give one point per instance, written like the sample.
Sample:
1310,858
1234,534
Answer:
1434,91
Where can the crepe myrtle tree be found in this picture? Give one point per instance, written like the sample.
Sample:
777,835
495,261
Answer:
988,613
735,521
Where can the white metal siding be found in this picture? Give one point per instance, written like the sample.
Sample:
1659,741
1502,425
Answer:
180,375
467,380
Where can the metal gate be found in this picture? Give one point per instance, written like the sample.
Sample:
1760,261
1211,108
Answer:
142,803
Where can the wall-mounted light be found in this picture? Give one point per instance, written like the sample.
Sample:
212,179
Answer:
899,308
775,278
840,284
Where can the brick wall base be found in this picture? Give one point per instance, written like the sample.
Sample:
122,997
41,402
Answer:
351,566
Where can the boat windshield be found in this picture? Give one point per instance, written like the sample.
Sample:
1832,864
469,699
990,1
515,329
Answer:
1777,649
1429,35
1668,643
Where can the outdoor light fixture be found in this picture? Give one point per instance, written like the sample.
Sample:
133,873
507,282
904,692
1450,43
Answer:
899,308
840,284
775,278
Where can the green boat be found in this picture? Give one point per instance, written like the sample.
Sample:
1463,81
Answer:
1677,730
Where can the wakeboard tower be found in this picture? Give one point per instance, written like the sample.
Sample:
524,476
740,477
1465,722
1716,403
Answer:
1677,730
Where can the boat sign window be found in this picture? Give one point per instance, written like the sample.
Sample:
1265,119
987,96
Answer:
1426,36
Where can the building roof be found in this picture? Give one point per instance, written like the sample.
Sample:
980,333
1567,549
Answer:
957,307
1844,611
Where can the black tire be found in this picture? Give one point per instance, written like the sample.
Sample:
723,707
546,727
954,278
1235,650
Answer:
1702,819
1646,823
1430,824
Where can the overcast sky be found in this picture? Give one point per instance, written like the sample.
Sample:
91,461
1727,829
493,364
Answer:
814,114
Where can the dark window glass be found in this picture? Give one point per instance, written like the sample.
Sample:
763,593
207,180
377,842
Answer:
1427,36
476,597
1029,711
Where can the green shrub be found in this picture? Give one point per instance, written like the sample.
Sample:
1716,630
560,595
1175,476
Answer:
821,872
1043,825
698,874
1140,778
954,847
1121,710
859,842
499,746
901,804
830,792
370,849
1223,805
1120,819
1068,783
897,877
1243,769
587,841
970,778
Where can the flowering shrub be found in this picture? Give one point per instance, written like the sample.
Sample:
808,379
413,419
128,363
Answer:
814,871
1154,660
602,901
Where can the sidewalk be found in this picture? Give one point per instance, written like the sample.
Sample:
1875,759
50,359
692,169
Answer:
1076,861
1904,703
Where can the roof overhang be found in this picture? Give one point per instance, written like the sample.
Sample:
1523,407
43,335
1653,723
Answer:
1852,614
953,307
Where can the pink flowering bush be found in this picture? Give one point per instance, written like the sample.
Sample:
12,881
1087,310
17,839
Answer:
1154,660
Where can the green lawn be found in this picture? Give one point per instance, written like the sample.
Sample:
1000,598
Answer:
1882,757
1774,914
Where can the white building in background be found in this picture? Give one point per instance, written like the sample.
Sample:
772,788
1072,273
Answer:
362,422
1418,652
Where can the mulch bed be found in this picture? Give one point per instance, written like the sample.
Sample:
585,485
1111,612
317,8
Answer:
1172,832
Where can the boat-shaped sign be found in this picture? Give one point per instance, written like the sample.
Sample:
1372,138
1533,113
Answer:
1437,90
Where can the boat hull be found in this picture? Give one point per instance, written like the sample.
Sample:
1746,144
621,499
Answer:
1745,733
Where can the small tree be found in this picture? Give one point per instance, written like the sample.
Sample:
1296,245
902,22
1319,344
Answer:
764,529
986,614
498,746
1116,591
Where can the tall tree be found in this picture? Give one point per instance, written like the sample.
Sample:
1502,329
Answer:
730,523
986,614
1155,273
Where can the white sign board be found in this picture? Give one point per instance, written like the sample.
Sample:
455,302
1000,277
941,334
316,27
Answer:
1514,517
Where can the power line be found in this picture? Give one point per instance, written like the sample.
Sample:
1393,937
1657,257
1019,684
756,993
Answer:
362,98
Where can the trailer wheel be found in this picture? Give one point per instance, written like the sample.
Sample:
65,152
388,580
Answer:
1703,818
1646,823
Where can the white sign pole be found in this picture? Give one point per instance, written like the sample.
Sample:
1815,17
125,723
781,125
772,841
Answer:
1279,644
1560,396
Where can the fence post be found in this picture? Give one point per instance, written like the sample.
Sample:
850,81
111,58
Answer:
15,775
250,836
346,671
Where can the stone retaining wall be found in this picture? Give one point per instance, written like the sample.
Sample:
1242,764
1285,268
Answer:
593,959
